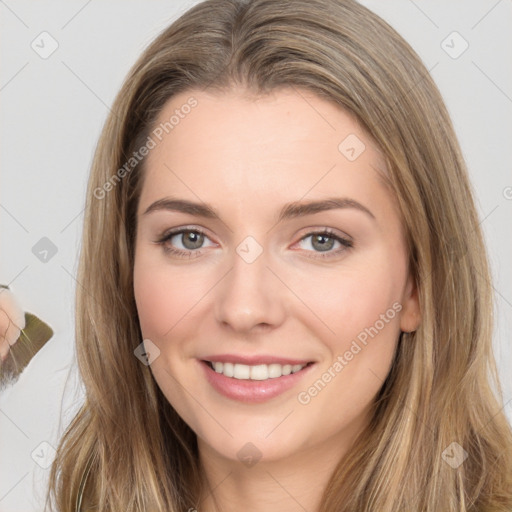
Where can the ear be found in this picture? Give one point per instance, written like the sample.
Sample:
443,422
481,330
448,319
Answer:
410,318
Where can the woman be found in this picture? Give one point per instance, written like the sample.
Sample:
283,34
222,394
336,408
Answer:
286,303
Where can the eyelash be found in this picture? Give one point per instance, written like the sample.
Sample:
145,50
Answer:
346,244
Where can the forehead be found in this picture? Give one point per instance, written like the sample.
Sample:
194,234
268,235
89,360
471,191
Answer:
281,145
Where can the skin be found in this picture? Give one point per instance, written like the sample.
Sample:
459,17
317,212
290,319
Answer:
5,340
12,320
247,156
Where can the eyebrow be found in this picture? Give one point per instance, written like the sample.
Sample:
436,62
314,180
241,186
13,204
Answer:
288,211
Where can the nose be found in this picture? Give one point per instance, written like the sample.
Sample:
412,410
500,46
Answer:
250,297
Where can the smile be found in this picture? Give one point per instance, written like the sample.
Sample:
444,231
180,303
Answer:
255,372
256,382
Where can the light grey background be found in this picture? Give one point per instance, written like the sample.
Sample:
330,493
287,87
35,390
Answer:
52,113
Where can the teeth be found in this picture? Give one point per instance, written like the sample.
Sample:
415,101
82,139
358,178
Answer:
228,369
287,369
257,372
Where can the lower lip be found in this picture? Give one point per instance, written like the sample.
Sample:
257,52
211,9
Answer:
252,391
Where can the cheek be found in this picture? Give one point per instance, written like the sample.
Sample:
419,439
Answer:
363,310
361,307
354,300
163,295
152,304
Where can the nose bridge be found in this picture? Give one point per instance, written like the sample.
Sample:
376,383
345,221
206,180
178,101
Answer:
249,294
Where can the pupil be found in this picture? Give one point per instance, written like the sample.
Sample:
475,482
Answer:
192,240
323,246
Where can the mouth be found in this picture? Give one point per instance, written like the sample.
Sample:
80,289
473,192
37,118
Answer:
257,382
258,372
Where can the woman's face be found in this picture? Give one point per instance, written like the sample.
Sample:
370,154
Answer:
233,274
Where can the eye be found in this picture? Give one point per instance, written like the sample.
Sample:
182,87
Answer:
184,242
188,242
323,241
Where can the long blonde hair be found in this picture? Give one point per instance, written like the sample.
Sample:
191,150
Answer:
127,449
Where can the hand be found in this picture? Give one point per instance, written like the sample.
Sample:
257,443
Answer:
12,321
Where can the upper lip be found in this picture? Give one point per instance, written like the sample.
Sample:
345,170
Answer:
254,360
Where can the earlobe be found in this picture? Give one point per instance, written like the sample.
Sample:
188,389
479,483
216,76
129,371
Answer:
410,318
